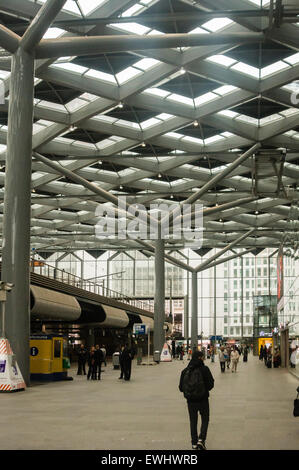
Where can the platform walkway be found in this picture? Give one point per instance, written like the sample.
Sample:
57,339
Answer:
249,410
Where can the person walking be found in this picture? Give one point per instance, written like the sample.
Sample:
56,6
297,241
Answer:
121,363
103,349
234,359
182,353
212,354
222,359
82,356
127,356
99,358
276,358
91,364
196,381
265,355
261,353
245,354
228,357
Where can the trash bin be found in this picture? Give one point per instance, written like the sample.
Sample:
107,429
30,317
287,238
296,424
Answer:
115,360
157,356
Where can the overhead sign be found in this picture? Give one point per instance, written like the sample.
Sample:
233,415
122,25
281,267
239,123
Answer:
139,329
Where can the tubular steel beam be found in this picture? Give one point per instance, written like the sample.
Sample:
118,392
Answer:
78,179
223,174
90,45
41,23
168,17
228,258
201,266
17,207
228,205
159,305
150,250
213,181
9,40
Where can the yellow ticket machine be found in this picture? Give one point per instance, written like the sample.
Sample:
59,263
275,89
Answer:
47,361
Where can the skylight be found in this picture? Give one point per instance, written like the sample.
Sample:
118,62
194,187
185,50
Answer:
259,3
133,10
180,99
134,28
127,74
217,24
247,69
106,77
205,98
53,33
146,63
213,139
222,60
273,68
242,67
88,6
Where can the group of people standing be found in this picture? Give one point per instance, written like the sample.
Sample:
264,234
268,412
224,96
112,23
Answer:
94,358
230,356
267,356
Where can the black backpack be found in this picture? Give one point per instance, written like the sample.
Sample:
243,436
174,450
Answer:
193,385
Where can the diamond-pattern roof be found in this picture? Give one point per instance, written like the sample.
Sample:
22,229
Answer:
158,124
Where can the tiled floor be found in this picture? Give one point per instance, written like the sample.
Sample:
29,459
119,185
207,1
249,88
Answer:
249,410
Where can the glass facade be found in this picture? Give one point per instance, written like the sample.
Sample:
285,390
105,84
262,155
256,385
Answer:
230,298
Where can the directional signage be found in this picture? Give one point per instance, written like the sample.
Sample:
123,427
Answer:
139,329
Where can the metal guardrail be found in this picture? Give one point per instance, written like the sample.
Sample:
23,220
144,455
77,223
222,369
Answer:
61,275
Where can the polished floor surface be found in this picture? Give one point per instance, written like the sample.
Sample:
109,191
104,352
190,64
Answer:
251,409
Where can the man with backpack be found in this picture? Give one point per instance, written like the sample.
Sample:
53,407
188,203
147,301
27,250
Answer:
196,381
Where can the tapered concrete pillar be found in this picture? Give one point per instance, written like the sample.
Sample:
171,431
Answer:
159,309
194,318
17,200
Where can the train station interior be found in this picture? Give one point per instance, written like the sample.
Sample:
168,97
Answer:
149,162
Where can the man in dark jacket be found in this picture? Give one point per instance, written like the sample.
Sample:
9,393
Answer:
82,357
99,358
126,359
196,405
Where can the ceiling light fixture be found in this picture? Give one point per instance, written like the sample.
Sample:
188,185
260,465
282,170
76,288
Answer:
195,124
